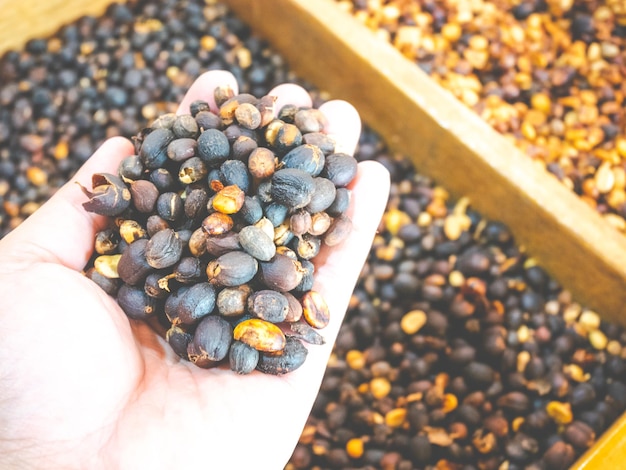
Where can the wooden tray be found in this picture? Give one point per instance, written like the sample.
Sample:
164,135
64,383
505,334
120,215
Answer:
445,139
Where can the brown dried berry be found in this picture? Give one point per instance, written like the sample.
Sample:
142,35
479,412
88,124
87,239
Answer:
256,243
292,187
144,195
222,244
164,249
243,359
133,267
281,273
262,163
289,359
268,305
248,116
338,231
306,333
135,303
211,340
232,301
232,269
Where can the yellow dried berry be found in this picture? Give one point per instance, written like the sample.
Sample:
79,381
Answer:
260,334
413,321
229,200
315,309
107,265
560,412
354,448
395,418
380,387
355,359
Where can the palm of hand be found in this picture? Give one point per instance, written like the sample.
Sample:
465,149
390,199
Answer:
83,387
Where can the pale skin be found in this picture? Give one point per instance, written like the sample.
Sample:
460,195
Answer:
81,386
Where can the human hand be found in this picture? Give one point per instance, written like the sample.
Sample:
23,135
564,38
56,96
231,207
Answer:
82,386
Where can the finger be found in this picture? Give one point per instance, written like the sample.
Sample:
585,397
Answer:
343,125
62,230
204,87
289,93
336,277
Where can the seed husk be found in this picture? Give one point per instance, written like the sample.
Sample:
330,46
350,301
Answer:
320,223
289,359
232,269
192,170
315,310
106,242
211,340
164,249
106,265
131,230
223,93
256,243
110,195
308,246
243,359
268,305
260,334
300,222
152,287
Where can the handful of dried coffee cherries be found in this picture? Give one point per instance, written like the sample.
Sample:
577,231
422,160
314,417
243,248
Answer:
216,222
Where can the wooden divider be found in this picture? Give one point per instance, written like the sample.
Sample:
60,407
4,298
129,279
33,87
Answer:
22,20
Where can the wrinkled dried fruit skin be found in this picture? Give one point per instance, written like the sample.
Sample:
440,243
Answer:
179,340
232,269
213,147
281,273
233,301
211,340
268,305
195,303
340,168
235,173
243,359
289,359
170,206
132,266
256,243
292,187
308,158
315,310
144,195
323,197
338,231
260,334
164,249
222,244
135,303
306,333
108,285
110,195
153,151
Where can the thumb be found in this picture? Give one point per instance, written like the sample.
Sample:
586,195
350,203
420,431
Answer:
62,231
